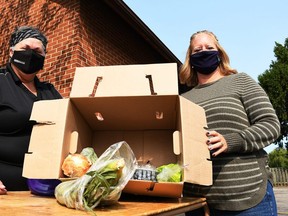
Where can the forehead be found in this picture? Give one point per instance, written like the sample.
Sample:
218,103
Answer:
202,39
32,43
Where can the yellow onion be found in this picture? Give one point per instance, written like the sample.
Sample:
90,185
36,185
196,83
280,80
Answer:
75,165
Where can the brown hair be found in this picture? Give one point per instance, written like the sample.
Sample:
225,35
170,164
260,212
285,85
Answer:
188,76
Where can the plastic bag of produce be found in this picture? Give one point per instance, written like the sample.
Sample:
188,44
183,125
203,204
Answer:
103,182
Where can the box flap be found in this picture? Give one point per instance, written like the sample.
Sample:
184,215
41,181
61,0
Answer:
45,148
125,80
196,156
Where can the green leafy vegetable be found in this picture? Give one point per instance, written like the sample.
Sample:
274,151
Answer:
90,154
169,173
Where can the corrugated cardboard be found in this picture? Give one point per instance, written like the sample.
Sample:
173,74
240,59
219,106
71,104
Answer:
132,80
138,104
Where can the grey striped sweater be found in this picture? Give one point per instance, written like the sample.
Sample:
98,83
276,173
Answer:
238,108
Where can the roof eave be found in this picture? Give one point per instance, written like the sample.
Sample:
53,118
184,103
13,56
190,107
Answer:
134,21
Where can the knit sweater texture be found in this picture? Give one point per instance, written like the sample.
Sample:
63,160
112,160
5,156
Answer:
239,109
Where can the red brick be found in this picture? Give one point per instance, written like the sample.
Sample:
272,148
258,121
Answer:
80,33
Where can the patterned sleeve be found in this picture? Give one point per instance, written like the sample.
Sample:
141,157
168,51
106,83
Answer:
264,126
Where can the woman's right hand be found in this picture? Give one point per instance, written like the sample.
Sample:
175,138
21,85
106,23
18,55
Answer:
2,189
216,143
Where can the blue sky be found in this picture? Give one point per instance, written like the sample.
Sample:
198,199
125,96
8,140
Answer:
247,29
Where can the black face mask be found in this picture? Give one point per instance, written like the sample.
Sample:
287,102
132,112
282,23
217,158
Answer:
205,62
28,61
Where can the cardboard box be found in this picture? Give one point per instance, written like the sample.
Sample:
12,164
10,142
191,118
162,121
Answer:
138,104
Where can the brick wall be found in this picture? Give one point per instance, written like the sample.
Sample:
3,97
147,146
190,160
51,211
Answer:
80,33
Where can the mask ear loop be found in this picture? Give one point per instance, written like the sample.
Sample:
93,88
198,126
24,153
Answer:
219,59
11,52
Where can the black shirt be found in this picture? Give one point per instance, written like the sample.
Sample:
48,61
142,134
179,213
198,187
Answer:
16,103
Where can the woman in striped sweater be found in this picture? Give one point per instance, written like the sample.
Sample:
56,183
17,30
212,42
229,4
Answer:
241,122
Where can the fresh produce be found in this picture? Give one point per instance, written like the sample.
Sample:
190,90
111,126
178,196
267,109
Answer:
97,183
165,173
103,182
169,173
75,165
146,172
90,154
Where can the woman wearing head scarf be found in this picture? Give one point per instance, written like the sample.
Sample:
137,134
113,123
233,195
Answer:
19,89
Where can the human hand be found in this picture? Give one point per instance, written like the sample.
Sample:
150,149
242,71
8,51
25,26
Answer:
2,189
216,143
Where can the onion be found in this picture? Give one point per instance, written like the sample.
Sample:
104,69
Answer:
75,165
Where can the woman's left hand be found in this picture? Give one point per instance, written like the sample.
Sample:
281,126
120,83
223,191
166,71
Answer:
216,143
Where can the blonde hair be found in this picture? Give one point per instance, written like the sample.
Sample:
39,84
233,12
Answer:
189,77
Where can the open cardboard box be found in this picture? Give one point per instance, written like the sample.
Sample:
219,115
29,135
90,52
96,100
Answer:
138,104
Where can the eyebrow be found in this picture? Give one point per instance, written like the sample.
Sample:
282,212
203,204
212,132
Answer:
205,45
25,46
